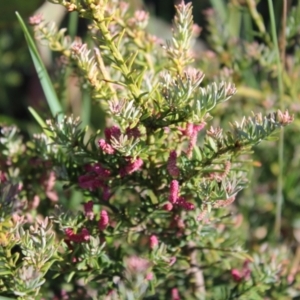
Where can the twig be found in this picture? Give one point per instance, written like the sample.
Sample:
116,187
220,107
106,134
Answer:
196,272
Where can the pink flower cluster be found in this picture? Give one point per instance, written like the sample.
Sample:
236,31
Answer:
220,176
81,237
35,20
175,294
104,220
84,235
131,167
136,264
244,274
153,242
88,210
175,199
110,133
95,178
114,132
174,191
191,132
3,177
171,165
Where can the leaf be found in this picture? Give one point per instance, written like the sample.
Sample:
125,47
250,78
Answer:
131,60
242,256
212,144
86,109
69,278
5,298
197,153
5,272
41,70
37,117
221,10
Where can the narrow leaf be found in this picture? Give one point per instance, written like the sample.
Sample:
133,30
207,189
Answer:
37,117
40,121
41,70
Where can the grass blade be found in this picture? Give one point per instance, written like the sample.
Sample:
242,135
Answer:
37,117
40,121
279,196
41,70
73,24
86,108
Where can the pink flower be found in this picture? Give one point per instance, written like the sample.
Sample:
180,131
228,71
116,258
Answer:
112,132
36,19
199,127
175,294
88,210
184,204
193,138
131,167
106,193
135,264
3,177
83,236
174,190
141,15
171,166
149,276
105,147
48,182
95,178
104,220
168,206
244,274
99,170
196,30
191,132
236,275
191,146
246,270
153,241
90,181
172,261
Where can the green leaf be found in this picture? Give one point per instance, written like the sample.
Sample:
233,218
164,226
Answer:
120,38
221,9
242,256
5,272
70,276
197,154
5,298
73,24
131,60
86,108
41,70
37,117
212,144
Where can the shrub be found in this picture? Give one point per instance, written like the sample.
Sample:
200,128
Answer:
157,185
